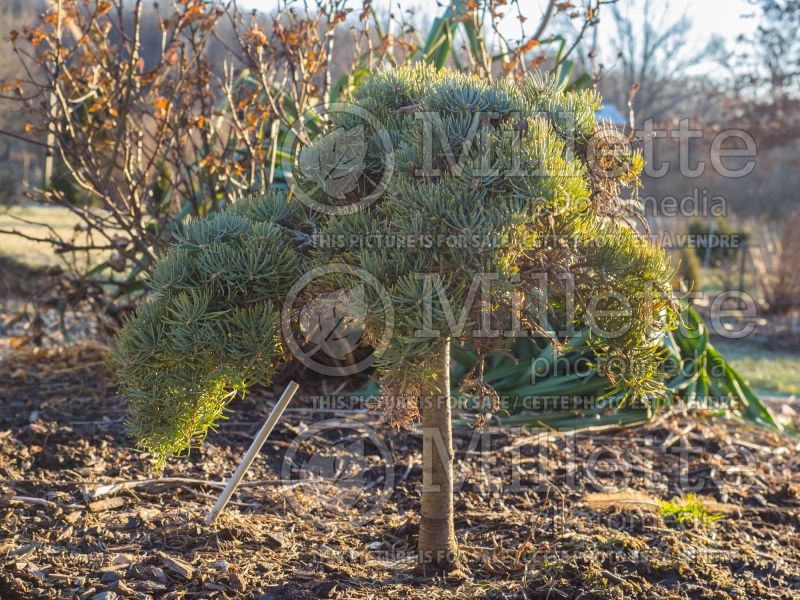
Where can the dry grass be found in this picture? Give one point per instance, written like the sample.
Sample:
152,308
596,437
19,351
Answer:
37,222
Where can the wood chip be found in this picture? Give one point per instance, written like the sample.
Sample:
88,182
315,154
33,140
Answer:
178,566
237,583
122,560
275,540
106,504
25,550
72,518
622,500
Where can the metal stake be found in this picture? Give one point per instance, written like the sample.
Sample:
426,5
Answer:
255,447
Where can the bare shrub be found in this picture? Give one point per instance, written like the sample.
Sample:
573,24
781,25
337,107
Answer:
152,114
775,263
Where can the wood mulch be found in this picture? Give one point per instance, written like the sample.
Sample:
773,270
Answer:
82,515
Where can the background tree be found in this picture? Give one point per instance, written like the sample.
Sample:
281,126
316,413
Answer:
650,50
764,75
20,161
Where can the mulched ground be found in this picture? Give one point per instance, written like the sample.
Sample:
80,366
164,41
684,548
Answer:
82,515
538,516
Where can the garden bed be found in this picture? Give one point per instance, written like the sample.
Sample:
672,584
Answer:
63,436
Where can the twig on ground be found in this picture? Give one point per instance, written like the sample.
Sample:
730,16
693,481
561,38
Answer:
113,488
31,500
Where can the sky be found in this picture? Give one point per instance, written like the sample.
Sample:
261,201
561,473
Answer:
710,19
721,17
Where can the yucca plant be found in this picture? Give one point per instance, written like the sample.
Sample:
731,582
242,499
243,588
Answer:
520,172
527,375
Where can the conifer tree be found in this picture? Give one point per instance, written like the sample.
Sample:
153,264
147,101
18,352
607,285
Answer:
512,192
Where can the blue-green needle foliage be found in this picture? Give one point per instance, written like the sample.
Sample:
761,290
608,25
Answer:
211,327
512,180
516,180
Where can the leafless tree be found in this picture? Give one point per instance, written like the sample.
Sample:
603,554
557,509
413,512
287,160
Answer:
764,68
652,54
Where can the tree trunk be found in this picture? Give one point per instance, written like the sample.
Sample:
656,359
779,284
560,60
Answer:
438,549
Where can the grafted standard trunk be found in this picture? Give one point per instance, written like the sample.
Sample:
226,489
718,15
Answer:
438,549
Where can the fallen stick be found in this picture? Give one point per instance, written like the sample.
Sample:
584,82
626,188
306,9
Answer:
31,500
112,488
107,489
255,447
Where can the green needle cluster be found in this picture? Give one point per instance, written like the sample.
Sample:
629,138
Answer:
211,326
